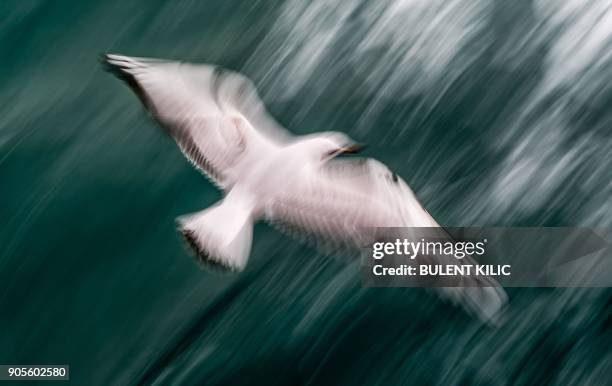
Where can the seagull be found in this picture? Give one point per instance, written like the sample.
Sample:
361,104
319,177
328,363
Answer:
299,184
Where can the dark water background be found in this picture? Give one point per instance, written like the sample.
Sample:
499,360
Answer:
495,112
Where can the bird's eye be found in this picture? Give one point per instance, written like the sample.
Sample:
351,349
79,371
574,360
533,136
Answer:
394,177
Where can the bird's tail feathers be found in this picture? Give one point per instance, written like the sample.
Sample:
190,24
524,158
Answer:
219,236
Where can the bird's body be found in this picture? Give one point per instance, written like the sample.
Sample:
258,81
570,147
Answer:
295,183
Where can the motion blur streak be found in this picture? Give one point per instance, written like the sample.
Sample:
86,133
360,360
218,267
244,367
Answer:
495,112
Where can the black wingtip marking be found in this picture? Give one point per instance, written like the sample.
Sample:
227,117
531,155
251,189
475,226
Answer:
129,79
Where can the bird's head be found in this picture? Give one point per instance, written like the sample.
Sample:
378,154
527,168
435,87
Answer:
331,144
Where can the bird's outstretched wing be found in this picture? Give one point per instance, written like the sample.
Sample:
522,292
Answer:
343,206
335,207
215,115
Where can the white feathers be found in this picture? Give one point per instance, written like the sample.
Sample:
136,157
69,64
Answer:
210,112
220,124
221,235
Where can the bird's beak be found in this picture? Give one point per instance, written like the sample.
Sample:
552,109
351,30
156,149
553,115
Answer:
352,148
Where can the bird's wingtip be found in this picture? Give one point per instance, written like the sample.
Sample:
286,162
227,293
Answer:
125,69
104,59
115,56
112,64
122,62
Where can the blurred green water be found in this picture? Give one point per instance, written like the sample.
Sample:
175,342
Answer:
502,127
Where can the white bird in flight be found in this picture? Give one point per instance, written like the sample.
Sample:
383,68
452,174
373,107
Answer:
293,182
